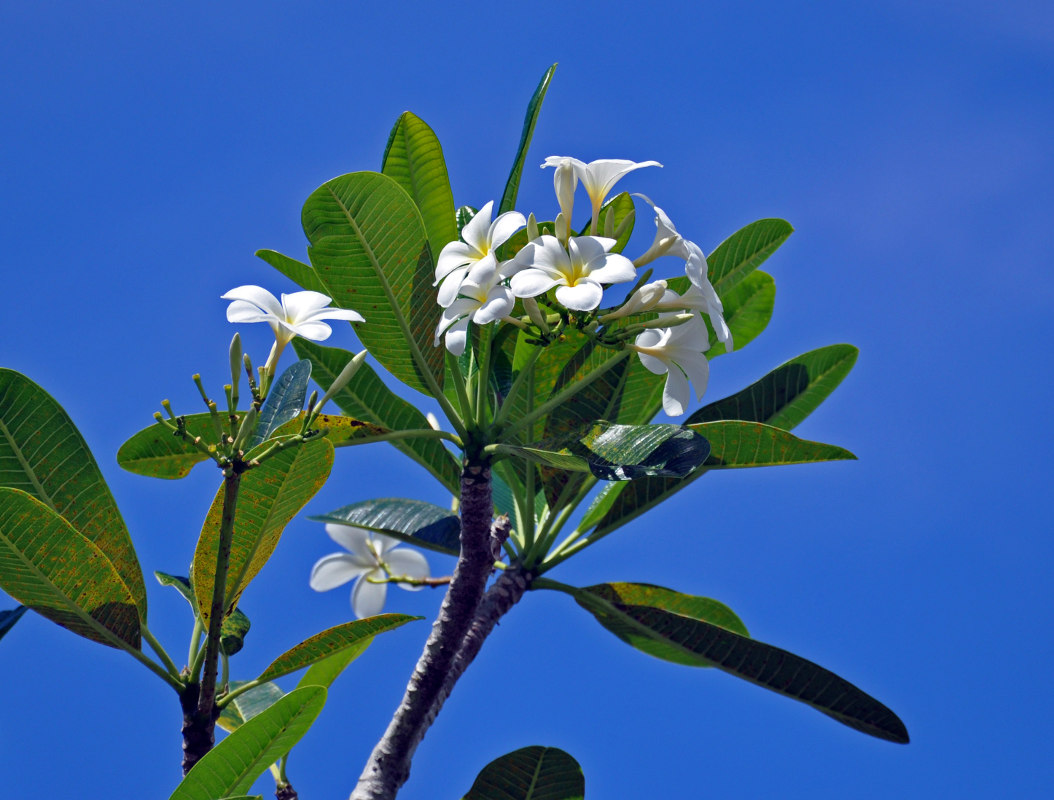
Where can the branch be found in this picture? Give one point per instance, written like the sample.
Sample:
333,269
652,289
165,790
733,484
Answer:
389,764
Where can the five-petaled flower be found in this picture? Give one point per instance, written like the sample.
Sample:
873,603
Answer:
677,352
372,559
482,298
577,271
482,237
297,314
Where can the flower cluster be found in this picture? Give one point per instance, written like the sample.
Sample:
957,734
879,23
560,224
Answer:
572,272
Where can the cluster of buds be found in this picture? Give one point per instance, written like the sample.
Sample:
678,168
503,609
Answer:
568,274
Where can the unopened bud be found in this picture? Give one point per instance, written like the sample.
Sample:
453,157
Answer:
342,379
565,182
644,299
433,423
561,227
246,428
532,228
534,313
236,363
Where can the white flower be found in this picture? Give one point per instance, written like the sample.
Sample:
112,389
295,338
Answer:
701,297
297,314
578,271
598,177
370,553
677,352
482,298
482,237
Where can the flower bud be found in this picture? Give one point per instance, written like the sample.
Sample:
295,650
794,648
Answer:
561,227
532,228
246,428
530,305
433,422
236,363
644,299
565,182
345,375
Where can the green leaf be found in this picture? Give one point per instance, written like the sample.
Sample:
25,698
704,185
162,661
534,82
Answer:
464,216
626,611
531,773
534,107
9,618
157,452
235,626
622,207
235,763
369,247
414,158
42,453
233,631
339,430
788,394
745,250
46,564
249,704
270,495
413,521
783,398
366,397
620,452
332,641
735,443
285,401
298,272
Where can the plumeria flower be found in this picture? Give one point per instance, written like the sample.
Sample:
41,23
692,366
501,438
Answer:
598,177
482,298
482,237
297,314
703,300
677,352
372,558
701,297
577,272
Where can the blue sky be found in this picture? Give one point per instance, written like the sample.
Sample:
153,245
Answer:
148,151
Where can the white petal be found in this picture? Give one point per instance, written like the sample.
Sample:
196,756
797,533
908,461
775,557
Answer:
410,563
654,365
333,313
457,337
367,599
478,229
531,283
695,265
351,537
302,305
583,296
244,311
499,304
384,543
334,570
615,269
450,287
452,256
258,296
505,226
601,175
676,394
698,371
315,331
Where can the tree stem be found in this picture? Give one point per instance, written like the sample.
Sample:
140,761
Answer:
389,764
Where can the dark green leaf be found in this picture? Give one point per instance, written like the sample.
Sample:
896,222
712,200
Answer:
332,641
284,402
180,584
624,609
622,207
296,271
789,393
620,452
369,247
464,217
531,773
783,398
269,497
324,672
512,185
735,443
412,521
156,452
745,250
58,572
42,453
414,158
235,763
366,397
9,618
233,631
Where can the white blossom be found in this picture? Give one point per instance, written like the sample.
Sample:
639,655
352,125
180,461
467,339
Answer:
370,560
677,352
578,271
482,298
481,238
